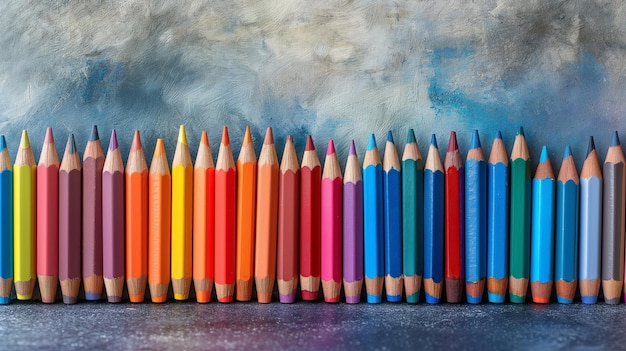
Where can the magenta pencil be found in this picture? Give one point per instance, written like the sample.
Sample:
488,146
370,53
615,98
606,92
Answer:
113,222
352,228
331,226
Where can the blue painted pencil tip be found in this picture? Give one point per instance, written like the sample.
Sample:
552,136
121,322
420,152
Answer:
3,143
371,142
499,135
94,133
615,139
521,131
591,146
544,154
71,144
4,300
352,148
433,141
475,143
390,137
568,152
410,136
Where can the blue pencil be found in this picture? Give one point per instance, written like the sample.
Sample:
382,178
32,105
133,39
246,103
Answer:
433,224
542,235
373,230
475,221
590,226
393,221
498,222
6,223
566,261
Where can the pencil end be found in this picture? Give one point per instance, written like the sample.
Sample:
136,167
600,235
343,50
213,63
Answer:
544,154
591,146
225,137
452,144
113,143
475,143
3,143
390,137
499,135
204,138
433,141
182,135
521,131
269,137
568,152
49,138
94,133
71,144
615,139
159,149
371,142
352,148
136,142
309,143
24,142
331,147
247,138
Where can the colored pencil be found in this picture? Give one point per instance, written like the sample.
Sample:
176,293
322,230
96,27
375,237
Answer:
454,222
288,224
225,220
246,206
352,228
113,222
433,224
412,218
203,221
498,222
136,221
590,226
475,221
614,205
566,261
93,162
48,219
159,208
542,237
519,254
70,237
24,220
6,223
182,211
392,202
332,220
310,222
373,230
268,173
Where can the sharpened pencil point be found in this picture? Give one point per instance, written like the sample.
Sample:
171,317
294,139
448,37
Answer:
94,133
204,138
499,135
433,141
113,143
352,148
24,142
71,144
452,144
247,137
591,146
3,143
410,136
390,137
568,152
225,137
269,137
49,139
136,142
521,131
309,143
615,139
182,135
475,143
290,138
371,142
544,154
159,149
331,147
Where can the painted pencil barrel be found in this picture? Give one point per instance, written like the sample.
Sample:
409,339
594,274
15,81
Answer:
288,228
353,240
6,232
433,235
498,232
412,227
24,230
519,254
566,261
393,234
310,241
48,230
590,238
331,238
613,231
373,232
69,234
475,229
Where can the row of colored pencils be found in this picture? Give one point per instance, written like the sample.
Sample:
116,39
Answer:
470,226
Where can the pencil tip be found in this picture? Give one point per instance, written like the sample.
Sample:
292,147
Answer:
269,137
3,143
433,141
390,137
568,152
331,147
182,135
247,137
225,137
521,131
352,148
544,154
94,133
499,135
452,144
289,138
136,145
615,139
309,143
475,143
410,136
71,144
371,142
113,143
159,149
49,139
204,138
24,143
591,146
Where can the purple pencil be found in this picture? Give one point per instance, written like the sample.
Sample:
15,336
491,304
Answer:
352,228
113,222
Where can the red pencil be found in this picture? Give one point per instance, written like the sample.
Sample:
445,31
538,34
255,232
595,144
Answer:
454,221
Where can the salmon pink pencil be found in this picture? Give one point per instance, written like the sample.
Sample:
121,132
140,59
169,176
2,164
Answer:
332,218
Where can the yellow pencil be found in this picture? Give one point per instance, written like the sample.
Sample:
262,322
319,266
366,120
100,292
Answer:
182,207
24,219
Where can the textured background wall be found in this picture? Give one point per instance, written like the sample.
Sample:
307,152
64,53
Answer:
334,69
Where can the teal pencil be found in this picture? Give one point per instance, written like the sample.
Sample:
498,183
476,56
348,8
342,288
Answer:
412,218
373,229
392,192
433,224
6,223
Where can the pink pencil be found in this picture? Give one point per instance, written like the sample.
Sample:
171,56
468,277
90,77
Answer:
332,222
48,219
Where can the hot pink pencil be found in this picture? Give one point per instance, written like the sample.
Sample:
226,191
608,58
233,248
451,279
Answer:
48,219
332,222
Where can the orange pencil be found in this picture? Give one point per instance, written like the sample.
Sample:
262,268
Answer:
246,202
136,221
160,203
225,220
266,220
203,221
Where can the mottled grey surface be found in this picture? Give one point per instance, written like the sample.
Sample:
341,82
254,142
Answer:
191,326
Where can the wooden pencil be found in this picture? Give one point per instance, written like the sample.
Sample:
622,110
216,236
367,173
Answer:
373,230
454,222
475,221
433,224
352,228
268,172
48,219
159,209
613,207
203,221
412,218
225,220
566,258
332,221
93,162
182,211
392,203
70,237
24,220
136,221
542,237
113,222
288,224
246,215
498,222
310,222
6,223
590,226
519,254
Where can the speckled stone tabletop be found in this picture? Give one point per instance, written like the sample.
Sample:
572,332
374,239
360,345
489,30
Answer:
303,326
